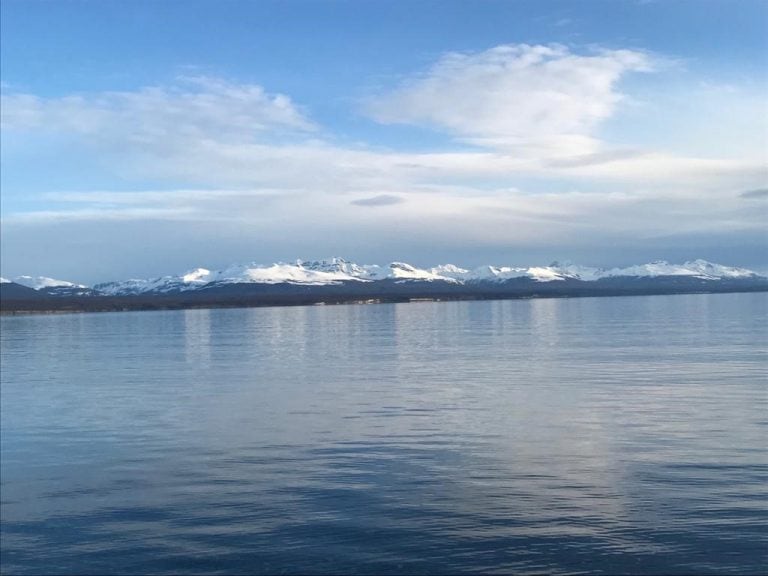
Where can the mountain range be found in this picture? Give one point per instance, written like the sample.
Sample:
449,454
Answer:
337,279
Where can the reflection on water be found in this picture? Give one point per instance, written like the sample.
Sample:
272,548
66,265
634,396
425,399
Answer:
611,435
197,337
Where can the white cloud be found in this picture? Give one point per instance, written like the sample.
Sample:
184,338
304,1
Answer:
208,132
192,108
533,99
239,170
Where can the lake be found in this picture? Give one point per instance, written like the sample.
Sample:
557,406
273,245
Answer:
564,436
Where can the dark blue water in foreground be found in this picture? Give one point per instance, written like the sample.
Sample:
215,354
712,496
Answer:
603,435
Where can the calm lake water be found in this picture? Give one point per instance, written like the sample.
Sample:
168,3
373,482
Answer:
595,435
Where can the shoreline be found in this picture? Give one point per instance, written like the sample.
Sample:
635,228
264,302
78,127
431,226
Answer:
101,304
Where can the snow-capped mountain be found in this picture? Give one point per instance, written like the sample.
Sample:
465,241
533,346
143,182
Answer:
696,268
39,282
557,271
310,273
50,286
336,271
501,273
340,272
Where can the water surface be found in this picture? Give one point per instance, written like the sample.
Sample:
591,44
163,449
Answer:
595,435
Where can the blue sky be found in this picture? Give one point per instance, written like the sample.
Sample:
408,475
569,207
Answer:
141,138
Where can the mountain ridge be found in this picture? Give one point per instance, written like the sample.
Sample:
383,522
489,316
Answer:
338,271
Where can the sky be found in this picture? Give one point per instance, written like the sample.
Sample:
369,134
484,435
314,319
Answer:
144,137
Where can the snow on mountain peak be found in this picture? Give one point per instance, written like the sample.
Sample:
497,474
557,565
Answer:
39,282
544,274
403,270
291,273
718,270
400,271
338,270
698,268
335,266
198,275
450,271
570,270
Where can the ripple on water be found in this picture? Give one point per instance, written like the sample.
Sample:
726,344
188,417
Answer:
622,435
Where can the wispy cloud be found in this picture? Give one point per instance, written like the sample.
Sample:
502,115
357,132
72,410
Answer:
533,99
192,107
